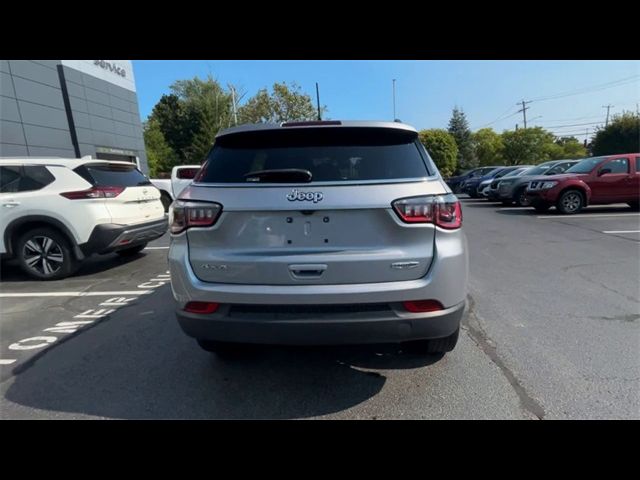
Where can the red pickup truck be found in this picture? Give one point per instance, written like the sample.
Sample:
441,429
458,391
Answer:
592,181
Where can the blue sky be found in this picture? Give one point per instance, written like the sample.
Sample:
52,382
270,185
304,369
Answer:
426,91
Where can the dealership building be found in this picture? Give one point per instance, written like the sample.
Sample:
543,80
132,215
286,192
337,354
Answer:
70,108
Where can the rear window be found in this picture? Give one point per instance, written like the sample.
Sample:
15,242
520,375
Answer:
112,175
330,154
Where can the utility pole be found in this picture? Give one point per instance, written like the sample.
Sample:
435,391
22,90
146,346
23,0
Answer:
524,111
607,107
394,99
318,101
233,100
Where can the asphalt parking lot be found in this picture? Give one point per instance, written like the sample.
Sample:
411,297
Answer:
552,331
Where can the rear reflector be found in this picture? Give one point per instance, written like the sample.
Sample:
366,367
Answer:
94,192
422,306
201,307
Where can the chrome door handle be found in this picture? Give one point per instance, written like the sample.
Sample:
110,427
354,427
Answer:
11,204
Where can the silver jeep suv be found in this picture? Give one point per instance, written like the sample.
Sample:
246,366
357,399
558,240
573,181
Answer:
319,233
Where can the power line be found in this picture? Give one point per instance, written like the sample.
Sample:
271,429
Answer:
594,88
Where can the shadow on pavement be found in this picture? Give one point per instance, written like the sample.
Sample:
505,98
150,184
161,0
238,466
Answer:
139,364
11,272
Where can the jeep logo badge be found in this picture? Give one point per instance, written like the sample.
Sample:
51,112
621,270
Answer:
297,195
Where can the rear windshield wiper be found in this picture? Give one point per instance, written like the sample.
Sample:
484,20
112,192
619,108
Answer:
283,175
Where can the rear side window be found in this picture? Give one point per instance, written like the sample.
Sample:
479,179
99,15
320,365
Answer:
24,179
330,154
637,164
35,178
112,175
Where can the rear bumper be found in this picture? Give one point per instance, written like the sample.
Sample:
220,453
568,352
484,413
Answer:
390,327
111,237
446,282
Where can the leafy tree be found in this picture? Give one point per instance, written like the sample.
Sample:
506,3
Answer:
528,146
622,135
459,128
489,147
284,104
442,148
160,156
571,148
176,123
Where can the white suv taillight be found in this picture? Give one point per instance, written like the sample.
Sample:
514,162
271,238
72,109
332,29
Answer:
184,215
441,210
94,192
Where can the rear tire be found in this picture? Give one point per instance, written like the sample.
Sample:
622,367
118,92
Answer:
570,202
130,252
434,345
45,254
507,203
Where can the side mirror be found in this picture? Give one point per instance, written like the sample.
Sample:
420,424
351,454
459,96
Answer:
187,173
603,171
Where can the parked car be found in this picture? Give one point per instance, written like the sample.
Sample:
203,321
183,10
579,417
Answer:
471,186
492,190
170,188
320,233
512,188
592,181
456,182
56,212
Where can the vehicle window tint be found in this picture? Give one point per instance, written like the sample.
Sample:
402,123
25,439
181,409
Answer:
34,178
343,154
619,165
9,179
637,164
112,175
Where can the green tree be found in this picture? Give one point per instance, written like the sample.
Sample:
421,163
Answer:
459,128
160,156
528,146
442,148
622,135
488,146
571,148
285,103
176,123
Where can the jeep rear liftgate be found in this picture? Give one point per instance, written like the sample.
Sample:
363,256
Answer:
311,206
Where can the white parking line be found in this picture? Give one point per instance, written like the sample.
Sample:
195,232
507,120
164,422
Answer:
621,231
72,294
588,215
156,248
7,361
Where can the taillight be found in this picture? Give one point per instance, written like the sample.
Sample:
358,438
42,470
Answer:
442,210
94,192
201,307
184,215
422,306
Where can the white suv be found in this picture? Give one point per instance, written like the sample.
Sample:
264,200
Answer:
55,212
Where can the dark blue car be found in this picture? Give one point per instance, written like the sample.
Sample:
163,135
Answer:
470,186
455,182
